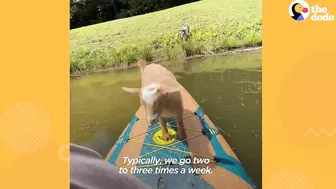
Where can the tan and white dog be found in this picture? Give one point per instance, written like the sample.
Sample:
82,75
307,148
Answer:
160,94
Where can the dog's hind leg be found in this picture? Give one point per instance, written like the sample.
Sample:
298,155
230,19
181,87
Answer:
180,129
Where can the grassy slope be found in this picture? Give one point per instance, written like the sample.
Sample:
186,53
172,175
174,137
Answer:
217,25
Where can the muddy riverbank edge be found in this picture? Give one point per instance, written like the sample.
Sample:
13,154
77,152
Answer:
158,61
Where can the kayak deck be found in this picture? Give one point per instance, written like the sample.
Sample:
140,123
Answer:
203,142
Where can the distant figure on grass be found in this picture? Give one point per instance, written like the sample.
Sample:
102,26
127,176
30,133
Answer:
185,32
161,97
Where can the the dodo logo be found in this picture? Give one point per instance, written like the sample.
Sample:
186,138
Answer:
300,10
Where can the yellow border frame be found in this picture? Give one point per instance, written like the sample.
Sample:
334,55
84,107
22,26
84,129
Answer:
299,127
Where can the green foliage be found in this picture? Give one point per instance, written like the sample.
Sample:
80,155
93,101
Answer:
87,12
216,26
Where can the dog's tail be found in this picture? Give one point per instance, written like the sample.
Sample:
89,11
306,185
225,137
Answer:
141,64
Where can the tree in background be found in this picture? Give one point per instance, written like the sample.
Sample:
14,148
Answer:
88,12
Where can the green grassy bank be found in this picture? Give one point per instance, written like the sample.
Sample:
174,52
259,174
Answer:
216,26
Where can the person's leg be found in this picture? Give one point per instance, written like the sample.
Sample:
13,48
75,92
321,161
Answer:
89,170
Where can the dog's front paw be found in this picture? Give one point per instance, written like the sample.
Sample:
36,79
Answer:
166,136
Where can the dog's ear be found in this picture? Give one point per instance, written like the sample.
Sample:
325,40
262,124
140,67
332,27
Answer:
136,91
